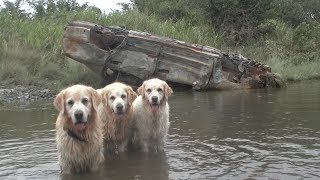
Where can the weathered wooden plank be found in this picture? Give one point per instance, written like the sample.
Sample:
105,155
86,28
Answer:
134,63
135,56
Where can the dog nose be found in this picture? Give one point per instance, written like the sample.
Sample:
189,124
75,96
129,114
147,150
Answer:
154,99
119,107
79,115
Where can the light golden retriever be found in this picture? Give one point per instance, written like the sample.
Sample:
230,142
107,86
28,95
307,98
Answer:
151,115
79,133
116,113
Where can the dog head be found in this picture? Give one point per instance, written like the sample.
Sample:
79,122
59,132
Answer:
78,103
117,98
155,92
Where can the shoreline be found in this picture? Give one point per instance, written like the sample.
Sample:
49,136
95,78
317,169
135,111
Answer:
24,94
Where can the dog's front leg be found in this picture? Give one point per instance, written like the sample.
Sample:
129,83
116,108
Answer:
159,146
144,145
123,145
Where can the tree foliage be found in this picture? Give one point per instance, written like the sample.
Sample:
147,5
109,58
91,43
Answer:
42,8
239,20
14,8
190,10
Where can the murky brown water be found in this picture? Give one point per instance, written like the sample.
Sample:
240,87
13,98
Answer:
226,134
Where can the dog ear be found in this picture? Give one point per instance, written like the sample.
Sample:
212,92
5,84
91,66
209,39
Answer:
104,96
131,95
141,89
100,92
96,98
59,101
167,90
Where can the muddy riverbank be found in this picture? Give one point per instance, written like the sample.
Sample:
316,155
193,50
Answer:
25,95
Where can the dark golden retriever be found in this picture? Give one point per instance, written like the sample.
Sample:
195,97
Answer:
116,114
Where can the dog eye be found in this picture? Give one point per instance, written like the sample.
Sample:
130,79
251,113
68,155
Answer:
112,97
84,101
159,89
123,96
149,90
70,102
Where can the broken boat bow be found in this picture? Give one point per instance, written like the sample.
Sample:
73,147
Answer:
130,56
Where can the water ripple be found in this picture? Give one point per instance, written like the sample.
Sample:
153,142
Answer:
241,158
213,135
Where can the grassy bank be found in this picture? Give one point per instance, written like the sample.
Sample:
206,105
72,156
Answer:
31,52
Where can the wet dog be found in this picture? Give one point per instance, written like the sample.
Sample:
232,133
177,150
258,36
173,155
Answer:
79,133
116,113
151,115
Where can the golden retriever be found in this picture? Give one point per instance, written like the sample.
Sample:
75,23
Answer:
116,114
79,133
151,115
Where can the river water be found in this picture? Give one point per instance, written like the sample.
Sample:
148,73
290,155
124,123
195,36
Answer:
257,134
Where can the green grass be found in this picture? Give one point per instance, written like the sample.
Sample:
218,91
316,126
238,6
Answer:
293,72
31,51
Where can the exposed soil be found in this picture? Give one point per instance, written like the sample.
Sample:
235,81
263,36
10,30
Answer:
21,94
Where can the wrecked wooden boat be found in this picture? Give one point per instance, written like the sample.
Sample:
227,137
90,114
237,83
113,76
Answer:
118,54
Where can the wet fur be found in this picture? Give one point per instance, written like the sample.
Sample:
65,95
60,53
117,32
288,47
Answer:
151,126
78,156
116,128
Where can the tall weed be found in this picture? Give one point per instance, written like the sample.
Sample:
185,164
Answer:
31,49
